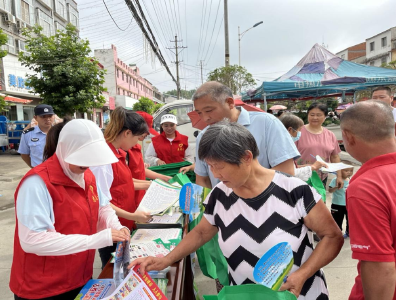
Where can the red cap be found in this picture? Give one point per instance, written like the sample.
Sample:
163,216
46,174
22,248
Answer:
149,120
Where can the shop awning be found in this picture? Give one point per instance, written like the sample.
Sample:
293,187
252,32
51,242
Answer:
17,100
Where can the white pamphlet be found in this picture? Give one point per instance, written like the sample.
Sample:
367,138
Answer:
332,167
159,197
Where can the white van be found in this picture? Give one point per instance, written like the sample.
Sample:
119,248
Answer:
179,108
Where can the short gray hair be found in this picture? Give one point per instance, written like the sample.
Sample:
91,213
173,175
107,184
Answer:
216,90
291,120
371,121
227,142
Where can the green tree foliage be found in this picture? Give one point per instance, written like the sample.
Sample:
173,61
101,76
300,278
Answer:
66,77
390,65
183,93
236,77
157,106
3,41
144,104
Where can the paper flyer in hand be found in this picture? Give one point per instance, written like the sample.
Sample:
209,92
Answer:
274,266
159,197
137,287
332,167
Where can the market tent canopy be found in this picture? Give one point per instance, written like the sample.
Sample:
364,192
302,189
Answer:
321,73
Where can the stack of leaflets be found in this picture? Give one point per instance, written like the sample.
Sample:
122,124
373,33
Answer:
97,289
168,220
159,197
128,285
154,242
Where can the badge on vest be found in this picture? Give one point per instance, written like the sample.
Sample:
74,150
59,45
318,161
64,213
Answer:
180,147
34,139
94,197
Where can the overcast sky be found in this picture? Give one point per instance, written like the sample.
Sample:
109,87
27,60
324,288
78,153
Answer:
289,31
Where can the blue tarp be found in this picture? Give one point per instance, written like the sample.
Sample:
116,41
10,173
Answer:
321,73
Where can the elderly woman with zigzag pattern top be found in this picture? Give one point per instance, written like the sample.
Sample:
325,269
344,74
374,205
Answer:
253,209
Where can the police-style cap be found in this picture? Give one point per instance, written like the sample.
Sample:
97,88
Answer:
169,118
43,109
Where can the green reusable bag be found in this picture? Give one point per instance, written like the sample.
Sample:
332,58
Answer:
250,292
173,169
317,184
180,178
210,258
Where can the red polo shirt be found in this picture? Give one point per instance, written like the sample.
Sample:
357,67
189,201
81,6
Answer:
371,205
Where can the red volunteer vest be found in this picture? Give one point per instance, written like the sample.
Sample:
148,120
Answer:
170,152
136,165
76,212
123,190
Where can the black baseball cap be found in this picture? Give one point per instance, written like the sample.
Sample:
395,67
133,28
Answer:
43,109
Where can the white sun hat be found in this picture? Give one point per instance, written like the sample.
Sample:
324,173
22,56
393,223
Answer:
169,118
81,143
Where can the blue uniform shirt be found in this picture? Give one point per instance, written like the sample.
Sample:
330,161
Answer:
32,143
274,142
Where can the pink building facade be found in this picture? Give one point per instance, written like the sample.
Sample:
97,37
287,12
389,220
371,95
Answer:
122,79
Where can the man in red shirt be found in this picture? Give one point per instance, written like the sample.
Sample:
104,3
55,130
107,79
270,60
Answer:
368,132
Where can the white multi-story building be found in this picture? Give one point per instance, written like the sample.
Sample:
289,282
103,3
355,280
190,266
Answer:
381,48
52,15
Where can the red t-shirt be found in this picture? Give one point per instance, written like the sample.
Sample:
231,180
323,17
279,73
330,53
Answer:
371,205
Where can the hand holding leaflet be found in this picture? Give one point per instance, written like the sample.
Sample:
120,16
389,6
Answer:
332,167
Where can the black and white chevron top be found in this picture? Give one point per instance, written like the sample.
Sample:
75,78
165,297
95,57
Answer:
250,227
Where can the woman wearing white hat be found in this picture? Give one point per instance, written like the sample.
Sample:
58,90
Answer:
62,217
170,146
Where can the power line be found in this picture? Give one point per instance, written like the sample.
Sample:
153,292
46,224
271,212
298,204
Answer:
114,20
214,26
153,43
217,38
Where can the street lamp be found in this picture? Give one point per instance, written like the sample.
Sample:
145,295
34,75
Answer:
240,35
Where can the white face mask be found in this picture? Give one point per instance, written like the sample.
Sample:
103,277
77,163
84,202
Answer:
296,138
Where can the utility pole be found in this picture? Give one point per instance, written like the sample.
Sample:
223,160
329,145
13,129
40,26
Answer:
201,64
177,62
227,44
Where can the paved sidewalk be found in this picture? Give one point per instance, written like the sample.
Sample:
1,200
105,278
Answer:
12,169
340,274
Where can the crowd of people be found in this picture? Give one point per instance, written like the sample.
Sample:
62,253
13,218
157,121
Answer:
84,187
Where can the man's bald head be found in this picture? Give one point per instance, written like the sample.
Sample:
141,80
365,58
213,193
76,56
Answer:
216,90
370,121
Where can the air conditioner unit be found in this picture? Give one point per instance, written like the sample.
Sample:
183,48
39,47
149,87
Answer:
21,24
9,19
